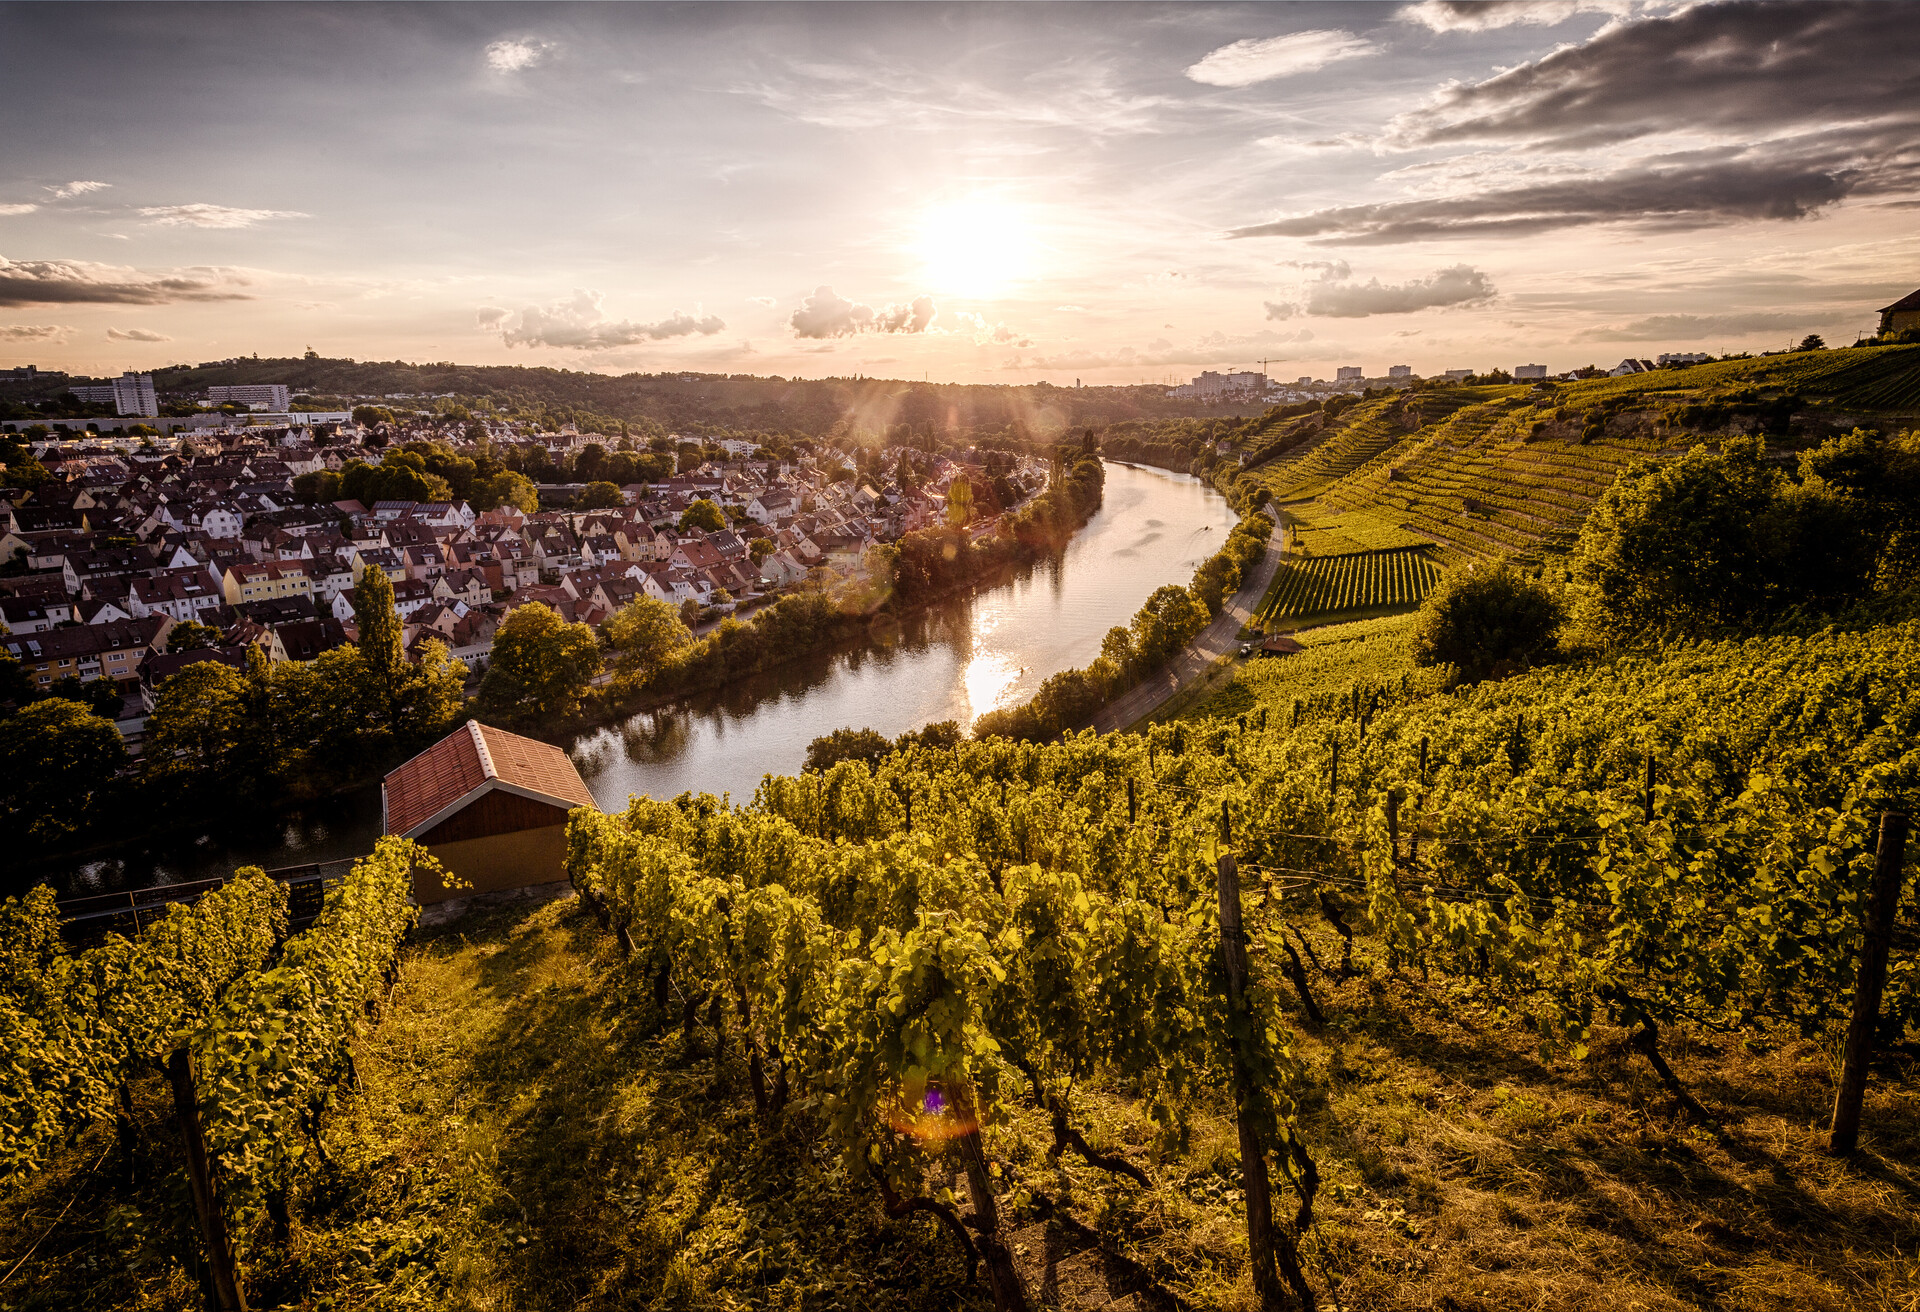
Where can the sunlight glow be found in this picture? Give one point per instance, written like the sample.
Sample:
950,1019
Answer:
976,247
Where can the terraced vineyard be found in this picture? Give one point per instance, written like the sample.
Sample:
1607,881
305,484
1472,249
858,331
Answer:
1325,585
1490,471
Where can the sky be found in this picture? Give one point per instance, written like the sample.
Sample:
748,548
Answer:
1111,193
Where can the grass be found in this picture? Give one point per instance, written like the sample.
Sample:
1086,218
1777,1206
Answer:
530,1135
1366,651
1328,531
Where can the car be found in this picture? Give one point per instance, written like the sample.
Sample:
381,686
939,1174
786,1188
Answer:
1246,649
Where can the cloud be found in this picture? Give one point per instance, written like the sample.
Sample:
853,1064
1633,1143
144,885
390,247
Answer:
68,190
988,334
579,324
1460,285
767,301
201,215
1697,327
136,335
1745,69
51,334
1713,115
1261,59
1677,196
825,314
513,56
18,208
1325,270
78,282
1070,309
1483,16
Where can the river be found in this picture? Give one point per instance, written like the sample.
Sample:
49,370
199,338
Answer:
952,662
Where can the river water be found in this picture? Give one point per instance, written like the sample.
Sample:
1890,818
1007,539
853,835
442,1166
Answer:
953,662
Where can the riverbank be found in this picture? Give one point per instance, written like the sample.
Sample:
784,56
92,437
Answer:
1215,641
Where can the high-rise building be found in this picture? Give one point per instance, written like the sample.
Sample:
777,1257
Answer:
129,394
1458,375
1400,371
264,396
1349,373
1530,371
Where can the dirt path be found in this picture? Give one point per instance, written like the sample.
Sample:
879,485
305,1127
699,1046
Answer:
1213,642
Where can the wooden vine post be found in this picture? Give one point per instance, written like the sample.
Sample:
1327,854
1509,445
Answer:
222,1272
1647,799
1882,901
1254,1180
1133,806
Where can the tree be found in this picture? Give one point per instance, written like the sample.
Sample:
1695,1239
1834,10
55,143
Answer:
602,496
378,622
317,487
16,685
1812,342
542,665
102,696
703,514
760,548
368,415
941,736
1480,618
433,696
199,727
646,631
56,757
690,612
959,503
506,488
192,635
867,746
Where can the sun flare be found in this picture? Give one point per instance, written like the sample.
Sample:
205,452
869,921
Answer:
976,247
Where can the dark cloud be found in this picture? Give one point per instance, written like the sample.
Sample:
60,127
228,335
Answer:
579,324
1460,285
1695,195
75,282
826,314
1750,69
1802,104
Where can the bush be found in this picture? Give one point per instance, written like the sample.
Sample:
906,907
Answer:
867,746
1485,617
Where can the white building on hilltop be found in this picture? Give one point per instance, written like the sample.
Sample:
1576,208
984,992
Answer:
1529,371
1400,371
129,394
1672,358
260,396
1349,373
1210,384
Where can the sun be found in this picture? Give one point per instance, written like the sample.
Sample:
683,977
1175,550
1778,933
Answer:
975,247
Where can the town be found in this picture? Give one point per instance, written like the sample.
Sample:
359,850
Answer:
131,554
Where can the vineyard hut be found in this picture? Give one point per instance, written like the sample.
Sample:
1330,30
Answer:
1279,644
489,805
1901,315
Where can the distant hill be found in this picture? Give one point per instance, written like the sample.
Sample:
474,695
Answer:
687,400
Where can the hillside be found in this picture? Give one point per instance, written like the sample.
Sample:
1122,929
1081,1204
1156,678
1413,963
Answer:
1511,470
1486,471
1506,1078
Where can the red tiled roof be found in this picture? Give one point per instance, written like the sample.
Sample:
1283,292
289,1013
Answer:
470,757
